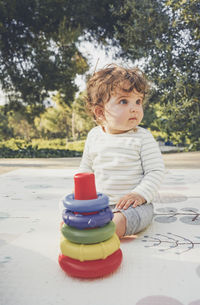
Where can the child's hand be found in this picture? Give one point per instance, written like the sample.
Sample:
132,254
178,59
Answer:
130,199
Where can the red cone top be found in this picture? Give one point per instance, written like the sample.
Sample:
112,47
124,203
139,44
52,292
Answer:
84,186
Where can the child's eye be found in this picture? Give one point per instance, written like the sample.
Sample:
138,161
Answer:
138,102
123,102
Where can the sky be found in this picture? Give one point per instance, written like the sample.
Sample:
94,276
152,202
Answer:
97,57
2,97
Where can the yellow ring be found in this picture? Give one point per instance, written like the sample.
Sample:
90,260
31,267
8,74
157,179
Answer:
89,252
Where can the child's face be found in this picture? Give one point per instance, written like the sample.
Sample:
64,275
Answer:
123,112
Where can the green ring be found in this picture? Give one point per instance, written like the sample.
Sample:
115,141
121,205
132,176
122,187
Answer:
91,236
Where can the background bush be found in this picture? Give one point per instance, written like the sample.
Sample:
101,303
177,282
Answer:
40,148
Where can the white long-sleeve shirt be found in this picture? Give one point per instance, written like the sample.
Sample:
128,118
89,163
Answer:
123,163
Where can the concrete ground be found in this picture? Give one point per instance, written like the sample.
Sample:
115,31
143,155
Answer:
188,160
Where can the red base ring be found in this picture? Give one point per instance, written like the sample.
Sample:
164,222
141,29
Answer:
90,269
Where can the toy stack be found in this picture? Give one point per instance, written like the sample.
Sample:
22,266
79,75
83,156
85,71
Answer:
89,245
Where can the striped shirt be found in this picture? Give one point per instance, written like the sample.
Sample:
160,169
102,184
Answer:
123,163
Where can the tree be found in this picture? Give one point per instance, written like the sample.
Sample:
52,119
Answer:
166,34
38,51
5,130
19,125
82,122
184,108
56,120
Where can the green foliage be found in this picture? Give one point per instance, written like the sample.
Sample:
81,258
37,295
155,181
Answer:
29,152
82,121
39,148
20,126
76,145
5,130
39,54
13,144
56,120
45,143
139,25
165,34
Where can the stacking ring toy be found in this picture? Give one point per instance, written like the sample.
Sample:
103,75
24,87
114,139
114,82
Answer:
84,186
80,221
81,206
89,252
88,236
91,269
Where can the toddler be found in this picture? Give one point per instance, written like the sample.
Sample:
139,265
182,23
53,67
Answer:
124,157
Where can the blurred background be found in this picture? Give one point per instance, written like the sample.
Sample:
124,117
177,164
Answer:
49,48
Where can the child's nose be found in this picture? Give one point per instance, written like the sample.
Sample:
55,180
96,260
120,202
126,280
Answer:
132,108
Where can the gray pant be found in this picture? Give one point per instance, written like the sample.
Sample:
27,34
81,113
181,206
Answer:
137,219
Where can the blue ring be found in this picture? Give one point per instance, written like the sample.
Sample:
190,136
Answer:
81,222
85,206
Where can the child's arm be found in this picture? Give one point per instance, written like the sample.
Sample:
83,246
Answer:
153,168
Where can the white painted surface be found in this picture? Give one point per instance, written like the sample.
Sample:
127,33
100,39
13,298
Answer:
152,273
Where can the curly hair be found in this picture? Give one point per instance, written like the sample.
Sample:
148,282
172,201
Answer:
104,83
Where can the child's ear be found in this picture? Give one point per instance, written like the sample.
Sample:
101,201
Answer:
99,112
